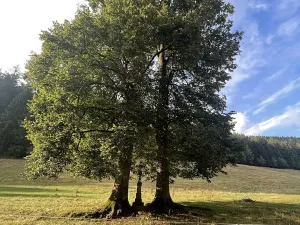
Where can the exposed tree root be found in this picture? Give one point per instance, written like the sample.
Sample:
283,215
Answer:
111,210
164,206
171,211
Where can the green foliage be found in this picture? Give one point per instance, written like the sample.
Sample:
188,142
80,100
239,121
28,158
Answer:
13,110
276,152
260,161
199,52
96,86
88,102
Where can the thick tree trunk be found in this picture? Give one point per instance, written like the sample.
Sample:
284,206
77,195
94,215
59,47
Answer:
118,204
162,202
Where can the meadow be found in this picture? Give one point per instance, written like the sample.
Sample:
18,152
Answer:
43,201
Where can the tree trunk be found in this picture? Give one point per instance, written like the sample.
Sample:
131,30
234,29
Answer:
162,202
118,204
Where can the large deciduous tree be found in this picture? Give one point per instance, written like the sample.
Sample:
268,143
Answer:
88,110
135,79
195,53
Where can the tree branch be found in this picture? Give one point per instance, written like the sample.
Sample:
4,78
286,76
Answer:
153,57
102,131
98,108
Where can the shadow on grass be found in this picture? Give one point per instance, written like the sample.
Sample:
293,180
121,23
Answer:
225,213
11,191
238,213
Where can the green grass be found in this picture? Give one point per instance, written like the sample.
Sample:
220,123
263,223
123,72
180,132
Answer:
44,201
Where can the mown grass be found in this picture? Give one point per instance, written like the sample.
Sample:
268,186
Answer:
44,201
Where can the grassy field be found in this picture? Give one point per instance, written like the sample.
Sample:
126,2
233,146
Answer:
276,192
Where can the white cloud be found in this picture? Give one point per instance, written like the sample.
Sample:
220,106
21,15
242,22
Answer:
288,28
282,93
241,122
290,117
266,125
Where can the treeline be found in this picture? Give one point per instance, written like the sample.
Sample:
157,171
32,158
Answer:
14,95
275,152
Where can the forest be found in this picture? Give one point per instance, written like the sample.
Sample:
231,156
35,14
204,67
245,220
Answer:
267,151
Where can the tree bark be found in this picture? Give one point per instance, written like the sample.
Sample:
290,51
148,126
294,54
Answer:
118,204
162,202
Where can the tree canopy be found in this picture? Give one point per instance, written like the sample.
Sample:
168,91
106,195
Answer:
134,81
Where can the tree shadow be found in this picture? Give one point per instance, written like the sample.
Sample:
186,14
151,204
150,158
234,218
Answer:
220,213
237,213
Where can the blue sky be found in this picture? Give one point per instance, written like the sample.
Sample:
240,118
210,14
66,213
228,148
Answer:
265,88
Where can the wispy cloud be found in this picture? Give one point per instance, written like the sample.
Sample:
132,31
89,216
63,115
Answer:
253,93
258,6
290,117
269,39
250,59
283,10
259,89
282,93
270,56
287,8
276,75
288,28
266,125
250,95
286,4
